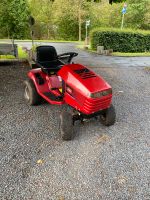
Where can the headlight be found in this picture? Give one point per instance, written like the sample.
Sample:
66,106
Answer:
101,94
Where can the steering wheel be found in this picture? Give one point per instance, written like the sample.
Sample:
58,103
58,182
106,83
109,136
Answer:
70,54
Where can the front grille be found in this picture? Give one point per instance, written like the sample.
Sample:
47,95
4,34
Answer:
85,73
94,105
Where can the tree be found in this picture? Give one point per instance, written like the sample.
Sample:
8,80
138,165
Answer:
146,24
65,19
14,17
80,14
42,11
71,16
137,13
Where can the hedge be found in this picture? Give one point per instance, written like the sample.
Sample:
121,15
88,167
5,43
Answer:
121,40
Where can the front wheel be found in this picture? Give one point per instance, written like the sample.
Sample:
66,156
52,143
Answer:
66,126
108,117
30,93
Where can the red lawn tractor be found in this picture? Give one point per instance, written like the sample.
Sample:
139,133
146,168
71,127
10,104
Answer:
59,81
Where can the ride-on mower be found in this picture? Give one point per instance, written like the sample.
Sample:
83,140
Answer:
59,81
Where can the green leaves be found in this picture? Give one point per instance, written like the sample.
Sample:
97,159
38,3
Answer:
121,41
69,14
65,19
14,18
137,14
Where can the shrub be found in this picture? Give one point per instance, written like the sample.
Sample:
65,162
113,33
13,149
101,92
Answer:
121,40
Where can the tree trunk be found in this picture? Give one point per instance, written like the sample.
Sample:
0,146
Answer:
79,20
48,32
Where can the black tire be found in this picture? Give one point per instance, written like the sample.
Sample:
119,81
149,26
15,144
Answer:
66,126
30,93
108,118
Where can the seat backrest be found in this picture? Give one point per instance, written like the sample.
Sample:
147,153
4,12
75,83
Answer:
46,53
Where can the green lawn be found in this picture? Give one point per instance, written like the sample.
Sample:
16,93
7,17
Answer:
131,54
22,54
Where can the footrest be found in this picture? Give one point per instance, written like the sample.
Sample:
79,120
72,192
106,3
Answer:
53,97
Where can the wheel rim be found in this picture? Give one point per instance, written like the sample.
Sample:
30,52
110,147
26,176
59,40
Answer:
26,93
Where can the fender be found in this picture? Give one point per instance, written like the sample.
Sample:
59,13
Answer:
34,75
41,84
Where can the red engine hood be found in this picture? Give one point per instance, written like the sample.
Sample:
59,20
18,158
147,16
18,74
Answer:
79,77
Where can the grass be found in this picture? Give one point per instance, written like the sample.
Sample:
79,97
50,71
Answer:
131,54
6,57
21,54
147,69
121,54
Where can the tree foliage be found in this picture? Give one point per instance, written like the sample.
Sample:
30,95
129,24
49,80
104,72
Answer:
65,19
14,15
43,12
137,15
70,17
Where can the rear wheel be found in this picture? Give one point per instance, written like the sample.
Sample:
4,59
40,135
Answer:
108,117
66,126
30,93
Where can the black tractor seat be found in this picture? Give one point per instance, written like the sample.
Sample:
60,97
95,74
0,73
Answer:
47,59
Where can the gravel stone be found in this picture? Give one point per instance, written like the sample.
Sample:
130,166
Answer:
100,162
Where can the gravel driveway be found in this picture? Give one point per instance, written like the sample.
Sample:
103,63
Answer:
107,163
